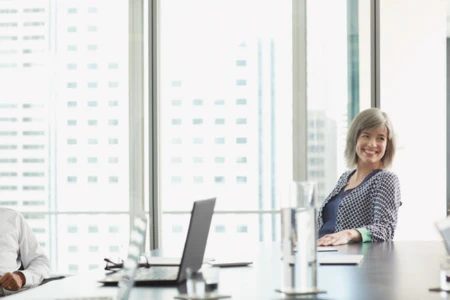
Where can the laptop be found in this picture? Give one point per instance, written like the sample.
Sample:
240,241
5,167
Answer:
193,252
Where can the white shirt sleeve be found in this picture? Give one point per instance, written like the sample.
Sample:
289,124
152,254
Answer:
35,262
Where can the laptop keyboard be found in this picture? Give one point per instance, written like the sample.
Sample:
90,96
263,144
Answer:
157,273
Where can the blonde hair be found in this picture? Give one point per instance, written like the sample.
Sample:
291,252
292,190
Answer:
370,119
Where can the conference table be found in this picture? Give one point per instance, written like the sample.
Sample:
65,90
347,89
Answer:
390,270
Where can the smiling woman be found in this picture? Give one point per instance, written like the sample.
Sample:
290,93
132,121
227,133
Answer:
364,204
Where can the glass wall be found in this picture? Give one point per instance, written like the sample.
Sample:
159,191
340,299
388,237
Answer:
64,159
226,107
224,112
225,115
338,77
413,87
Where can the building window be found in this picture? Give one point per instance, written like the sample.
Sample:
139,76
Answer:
219,179
197,141
113,160
177,160
241,140
176,83
176,141
113,179
241,121
197,160
198,179
241,101
241,160
197,102
176,102
113,229
114,249
72,160
220,229
219,140
241,179
177,228
72,249
242,229
219,160
176,121
113,103
176,179
93,229
241,82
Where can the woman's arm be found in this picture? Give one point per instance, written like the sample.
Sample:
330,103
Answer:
386,205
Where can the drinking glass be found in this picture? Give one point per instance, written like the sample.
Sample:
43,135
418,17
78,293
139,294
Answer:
299,239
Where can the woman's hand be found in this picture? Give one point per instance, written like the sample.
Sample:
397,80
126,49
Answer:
340,238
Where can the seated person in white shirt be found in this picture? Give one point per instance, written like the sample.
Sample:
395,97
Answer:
19,247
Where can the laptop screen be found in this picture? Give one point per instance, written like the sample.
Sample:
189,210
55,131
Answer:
197,236
130,265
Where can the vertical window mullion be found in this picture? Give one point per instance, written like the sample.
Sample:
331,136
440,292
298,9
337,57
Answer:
136,108
299,111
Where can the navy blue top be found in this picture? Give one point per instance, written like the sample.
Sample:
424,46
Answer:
329,212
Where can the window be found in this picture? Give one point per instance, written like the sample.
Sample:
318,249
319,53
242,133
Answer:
197,121
219,160
241,160
248,70
197,160
70,155
176,122
177,160
342,87
241,101
176,102
219,140
241,82
241,121
197,102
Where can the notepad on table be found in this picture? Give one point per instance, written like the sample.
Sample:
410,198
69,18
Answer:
326,249
341,259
